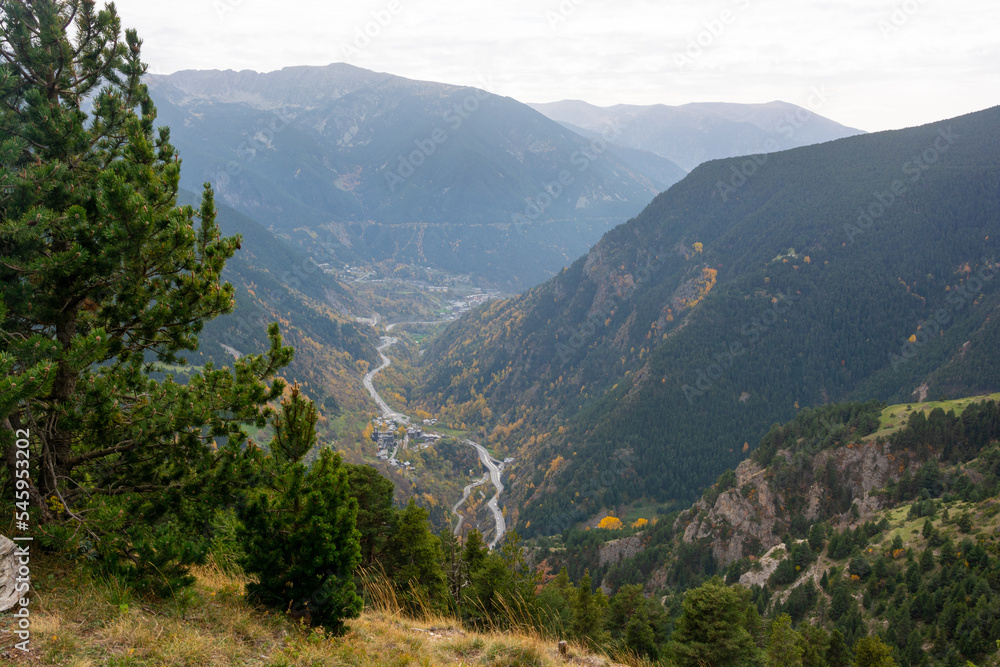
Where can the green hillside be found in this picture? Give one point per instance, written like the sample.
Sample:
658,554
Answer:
839,527
861,268
274,282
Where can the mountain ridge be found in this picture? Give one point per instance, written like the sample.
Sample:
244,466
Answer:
697,132
392,168
708,292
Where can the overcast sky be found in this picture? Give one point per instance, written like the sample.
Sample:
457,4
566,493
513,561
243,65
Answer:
885,64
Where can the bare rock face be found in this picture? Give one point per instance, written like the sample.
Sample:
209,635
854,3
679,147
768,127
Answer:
765,567
741,520
8,573
738,520
616,550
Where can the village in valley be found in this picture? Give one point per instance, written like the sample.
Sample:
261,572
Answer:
389,435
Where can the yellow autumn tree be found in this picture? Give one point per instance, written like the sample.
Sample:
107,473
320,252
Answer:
555,465
639,523
610,523
698,247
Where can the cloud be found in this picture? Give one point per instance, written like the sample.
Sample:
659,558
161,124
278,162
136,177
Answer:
889,64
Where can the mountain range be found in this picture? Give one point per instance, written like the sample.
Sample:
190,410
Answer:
355,166
383,167
694,133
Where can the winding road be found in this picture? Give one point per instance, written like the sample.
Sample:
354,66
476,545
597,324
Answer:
465,496
493,467
387,412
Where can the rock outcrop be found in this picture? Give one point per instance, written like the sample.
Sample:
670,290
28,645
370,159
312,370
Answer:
751,517
617,550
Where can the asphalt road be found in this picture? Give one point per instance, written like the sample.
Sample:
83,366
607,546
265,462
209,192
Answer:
493,467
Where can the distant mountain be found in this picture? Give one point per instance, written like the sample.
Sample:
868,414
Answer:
694,133
358,165
864,268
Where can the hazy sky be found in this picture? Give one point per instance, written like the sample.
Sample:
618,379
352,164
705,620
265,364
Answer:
885,64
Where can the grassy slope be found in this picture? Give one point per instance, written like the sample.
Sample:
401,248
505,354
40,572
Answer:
82,622
894,417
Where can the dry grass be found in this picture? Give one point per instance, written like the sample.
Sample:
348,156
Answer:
81,621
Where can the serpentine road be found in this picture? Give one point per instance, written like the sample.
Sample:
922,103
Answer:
493,467
387,412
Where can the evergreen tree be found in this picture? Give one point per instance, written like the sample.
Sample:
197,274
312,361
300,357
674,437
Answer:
475,551
102,277
587,613
414,562
815,643
454,567
562,583
838,654
376,515
783,649
711,631
555,604
501,586
301,543
294,427
927,560
640,636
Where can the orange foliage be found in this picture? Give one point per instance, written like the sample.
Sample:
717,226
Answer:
610,523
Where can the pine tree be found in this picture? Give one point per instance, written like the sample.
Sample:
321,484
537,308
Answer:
639,634
376,514
455,571
415,562
562,583
302,545
102,277
815,643
587,613
294,427
711,631
475,551
838,654
870,652
783,649
300,538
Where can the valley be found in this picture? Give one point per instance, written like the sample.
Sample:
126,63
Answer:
390,419
396,371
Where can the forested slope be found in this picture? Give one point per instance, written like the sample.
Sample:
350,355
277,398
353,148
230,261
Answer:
757,286
274,282
852,519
